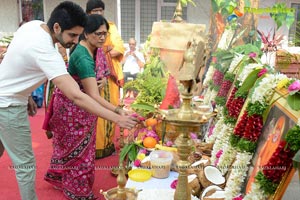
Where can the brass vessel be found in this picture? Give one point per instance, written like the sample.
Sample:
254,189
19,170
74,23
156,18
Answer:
120,192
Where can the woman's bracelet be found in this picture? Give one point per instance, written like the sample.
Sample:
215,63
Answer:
118,109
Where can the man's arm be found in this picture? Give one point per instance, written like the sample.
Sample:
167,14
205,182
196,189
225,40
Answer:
71,89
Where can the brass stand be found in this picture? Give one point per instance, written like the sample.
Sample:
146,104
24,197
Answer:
183,119
120,192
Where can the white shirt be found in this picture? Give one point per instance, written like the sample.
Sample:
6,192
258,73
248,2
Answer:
30,60
131,64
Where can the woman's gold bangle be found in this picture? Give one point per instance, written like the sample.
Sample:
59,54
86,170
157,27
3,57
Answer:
117,109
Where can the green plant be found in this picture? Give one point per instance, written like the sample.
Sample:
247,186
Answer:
283,15
150,85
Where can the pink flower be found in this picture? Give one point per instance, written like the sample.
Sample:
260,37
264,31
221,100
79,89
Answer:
262,72
193,136
169,143
144,151
240,197
294,87
219,153
210,130
252,55
174,184
137,163
216,162
214,59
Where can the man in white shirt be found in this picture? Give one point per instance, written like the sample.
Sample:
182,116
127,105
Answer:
30,60
133,60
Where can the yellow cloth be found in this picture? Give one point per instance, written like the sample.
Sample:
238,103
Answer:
106,129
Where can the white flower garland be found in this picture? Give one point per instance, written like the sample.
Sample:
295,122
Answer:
208,76
237,176
218,128
206,99
221,138
213,95
227,157
246,71
256,193
226,39
266,88
236,60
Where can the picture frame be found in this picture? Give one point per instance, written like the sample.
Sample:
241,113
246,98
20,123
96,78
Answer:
280,119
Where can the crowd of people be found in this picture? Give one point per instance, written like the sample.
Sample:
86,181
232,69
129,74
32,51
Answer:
83,110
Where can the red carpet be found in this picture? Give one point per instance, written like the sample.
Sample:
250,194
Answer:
43,150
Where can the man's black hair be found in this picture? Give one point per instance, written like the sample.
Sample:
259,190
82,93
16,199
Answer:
92,4
68,15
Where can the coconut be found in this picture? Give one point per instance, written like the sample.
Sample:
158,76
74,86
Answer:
211,175
217,195
210,190
145,163
197,166
193,183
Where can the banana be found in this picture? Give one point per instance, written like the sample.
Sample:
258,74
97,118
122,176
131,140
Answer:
165,148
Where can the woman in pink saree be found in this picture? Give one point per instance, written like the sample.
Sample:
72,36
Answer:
72,166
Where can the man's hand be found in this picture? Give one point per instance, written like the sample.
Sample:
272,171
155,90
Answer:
31,107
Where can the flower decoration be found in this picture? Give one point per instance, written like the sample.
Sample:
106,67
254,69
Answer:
215,131
223,133
252,55
270,41
174,184
169,143
281,84
294,87
224,88
239,197
193,136
293,139
268,179
271,174
256,193
238,174
262,72
210,130
218,155
238,95
137,163
249,127
294,95
226,158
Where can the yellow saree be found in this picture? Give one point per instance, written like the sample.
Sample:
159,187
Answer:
111,92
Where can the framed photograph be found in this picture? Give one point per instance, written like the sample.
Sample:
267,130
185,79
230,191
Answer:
279,120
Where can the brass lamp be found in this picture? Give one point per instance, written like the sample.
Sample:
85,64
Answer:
186,117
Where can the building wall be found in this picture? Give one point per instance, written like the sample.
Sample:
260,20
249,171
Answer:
199,14
9,9
9,15
110,7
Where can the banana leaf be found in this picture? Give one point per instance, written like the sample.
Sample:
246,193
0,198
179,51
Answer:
294,101
249,82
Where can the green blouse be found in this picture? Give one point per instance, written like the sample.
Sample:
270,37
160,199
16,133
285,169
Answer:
81,63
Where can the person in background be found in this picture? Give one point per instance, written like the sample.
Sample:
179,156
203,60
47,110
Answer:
133,61
30,60
72,166
114,50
